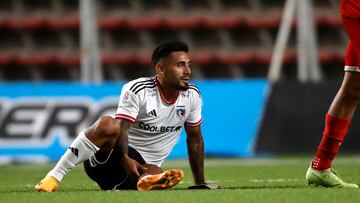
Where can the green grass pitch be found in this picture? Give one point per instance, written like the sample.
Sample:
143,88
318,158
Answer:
244,180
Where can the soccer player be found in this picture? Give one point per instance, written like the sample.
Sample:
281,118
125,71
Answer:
342,109
127,152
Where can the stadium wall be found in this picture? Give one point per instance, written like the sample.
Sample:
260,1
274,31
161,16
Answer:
39,120
294,119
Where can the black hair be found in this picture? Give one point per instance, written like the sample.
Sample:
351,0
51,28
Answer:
165,49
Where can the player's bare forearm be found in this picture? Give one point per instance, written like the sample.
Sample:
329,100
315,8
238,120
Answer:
122,141
195,144
130,165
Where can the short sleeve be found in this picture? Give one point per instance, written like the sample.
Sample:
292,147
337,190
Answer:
128,107
195,117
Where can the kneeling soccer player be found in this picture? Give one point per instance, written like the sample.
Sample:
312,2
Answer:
127,152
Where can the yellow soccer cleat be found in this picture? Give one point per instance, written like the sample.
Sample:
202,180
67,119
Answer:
48,184
164,180
327,178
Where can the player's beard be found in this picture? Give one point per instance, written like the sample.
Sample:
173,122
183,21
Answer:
184,87
181,86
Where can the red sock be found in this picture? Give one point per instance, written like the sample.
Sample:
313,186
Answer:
333,136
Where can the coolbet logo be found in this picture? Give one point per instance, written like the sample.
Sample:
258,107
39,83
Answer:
161,129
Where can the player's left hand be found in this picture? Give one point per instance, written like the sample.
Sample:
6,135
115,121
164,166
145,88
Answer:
132,166
205,186
137,167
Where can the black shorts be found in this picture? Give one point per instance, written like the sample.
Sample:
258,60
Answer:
105,169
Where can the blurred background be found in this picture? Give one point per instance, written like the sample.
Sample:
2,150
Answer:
268,70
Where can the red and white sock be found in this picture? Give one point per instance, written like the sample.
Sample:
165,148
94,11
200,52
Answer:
333,136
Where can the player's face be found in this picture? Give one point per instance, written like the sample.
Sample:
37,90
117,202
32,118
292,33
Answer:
177,71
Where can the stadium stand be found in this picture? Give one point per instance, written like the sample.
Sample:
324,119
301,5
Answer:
39,39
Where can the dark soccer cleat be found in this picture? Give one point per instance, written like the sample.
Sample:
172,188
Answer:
164,180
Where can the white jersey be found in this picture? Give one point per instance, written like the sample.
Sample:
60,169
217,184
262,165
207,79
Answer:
157,122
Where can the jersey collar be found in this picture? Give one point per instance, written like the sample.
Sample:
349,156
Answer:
168,102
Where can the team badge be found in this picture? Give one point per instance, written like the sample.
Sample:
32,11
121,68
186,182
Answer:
180,113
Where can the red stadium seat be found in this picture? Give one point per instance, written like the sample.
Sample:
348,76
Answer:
222,34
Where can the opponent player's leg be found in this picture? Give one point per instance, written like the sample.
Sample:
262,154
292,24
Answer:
155,179
336,126
339,116
102,134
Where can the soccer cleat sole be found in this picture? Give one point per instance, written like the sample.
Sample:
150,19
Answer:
165,180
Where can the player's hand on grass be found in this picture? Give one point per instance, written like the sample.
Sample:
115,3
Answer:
205,186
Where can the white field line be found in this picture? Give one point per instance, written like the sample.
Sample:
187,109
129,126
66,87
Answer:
278,180
209,181
29,186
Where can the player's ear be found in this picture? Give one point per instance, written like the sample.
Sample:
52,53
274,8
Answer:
159,68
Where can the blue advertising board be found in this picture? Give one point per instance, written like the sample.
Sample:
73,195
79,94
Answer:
39,120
